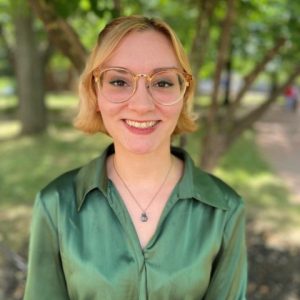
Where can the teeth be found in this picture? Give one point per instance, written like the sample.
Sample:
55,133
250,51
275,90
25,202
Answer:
136,124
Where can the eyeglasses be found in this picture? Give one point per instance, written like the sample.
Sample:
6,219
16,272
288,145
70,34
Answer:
166,86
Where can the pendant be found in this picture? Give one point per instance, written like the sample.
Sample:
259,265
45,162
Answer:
144,217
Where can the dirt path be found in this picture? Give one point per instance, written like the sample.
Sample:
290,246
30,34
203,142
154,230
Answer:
274,272
279,139
278,136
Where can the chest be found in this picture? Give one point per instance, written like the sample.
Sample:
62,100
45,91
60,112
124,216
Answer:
101,245
145,218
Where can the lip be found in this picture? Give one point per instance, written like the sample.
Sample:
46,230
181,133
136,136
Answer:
141,126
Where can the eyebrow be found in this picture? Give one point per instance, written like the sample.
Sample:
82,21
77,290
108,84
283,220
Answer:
152,71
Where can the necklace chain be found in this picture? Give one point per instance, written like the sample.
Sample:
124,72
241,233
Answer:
144,216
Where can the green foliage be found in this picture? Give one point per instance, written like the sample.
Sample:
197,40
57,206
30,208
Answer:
64,8
18,8
100,8
181,15
259,24
58,62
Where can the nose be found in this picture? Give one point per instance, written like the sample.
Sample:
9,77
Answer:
141,100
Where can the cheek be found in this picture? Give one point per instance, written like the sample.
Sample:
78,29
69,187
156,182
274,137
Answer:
105,114
110,112
106,109
173,112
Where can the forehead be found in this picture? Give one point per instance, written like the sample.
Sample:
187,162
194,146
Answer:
143,51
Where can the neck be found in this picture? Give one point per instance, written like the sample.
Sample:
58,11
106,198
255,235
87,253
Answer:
152,166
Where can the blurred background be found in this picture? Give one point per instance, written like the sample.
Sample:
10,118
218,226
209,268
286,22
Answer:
245,57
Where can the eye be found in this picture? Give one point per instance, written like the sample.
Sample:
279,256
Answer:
118,83
163,84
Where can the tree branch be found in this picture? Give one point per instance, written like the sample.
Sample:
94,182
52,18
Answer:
250,78
118,7
61,34
201,39
223,49
257,113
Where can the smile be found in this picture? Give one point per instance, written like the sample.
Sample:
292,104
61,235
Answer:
141,125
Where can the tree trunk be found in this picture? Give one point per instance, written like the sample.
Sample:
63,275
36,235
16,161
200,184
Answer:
201,39
214,146
30,77
223,50
274,82
228,75
212,141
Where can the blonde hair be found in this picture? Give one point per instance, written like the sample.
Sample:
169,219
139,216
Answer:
89,118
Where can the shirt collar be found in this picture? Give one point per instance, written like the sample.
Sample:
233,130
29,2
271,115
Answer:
193,184
92,176
198,184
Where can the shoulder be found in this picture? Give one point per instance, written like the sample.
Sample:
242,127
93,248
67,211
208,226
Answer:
71,188
228,192
235,212
216,191
58,193
205,187
63,182
232,198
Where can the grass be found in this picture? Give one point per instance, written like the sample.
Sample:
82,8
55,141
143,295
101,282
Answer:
28,163
268,200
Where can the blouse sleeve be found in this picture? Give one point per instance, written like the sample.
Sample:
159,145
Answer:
45,278
229,278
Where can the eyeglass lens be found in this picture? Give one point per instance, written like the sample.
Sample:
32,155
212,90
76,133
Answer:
166,87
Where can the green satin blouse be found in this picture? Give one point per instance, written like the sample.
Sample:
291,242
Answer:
84,246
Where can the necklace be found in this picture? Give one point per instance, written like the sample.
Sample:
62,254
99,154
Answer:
144,217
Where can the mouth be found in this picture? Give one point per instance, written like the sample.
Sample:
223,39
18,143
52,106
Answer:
141,125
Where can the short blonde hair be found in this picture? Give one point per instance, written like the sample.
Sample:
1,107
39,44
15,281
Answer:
89,118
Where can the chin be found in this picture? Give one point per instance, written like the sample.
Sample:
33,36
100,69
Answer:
143,147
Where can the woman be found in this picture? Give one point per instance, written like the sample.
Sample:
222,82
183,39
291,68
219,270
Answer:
141,221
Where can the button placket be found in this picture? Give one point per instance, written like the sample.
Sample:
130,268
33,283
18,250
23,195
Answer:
123,216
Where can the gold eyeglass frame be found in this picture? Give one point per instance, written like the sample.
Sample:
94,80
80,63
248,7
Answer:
148,77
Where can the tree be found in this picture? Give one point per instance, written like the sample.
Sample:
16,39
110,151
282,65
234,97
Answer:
224,31
29,74
223,124
29,64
